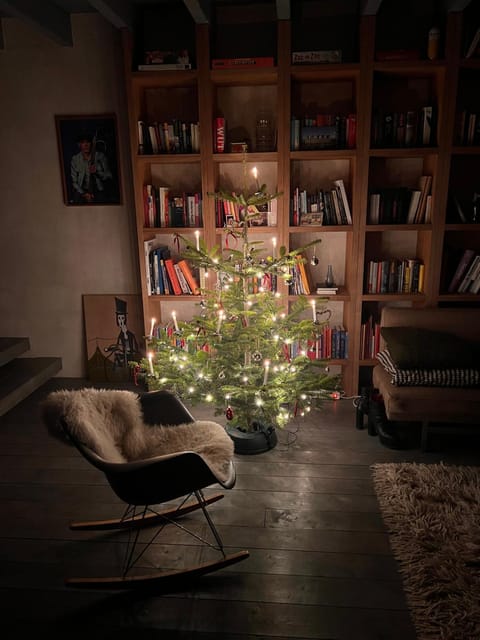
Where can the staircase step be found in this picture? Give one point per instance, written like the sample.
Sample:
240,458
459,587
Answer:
19,378
11,348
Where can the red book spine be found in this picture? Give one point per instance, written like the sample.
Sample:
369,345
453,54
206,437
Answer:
351,130
219,135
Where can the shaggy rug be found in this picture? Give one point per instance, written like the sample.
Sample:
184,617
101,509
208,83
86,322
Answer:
432,513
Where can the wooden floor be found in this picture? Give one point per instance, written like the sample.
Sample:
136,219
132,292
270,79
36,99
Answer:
320,564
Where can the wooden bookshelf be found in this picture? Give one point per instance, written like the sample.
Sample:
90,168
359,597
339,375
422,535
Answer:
360,84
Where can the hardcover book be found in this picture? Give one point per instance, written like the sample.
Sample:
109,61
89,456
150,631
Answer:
317,57
174,66
238,63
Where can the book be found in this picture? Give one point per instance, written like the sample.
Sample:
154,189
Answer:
172,276
190,278
331,291
176,66
322,137
426,131
219,135
182,280
461,269
238,63
413,206
340,185
424,184
303,274
473,44
317,57
470,274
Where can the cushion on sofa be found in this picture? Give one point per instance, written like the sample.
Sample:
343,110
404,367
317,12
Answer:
414,377
418,348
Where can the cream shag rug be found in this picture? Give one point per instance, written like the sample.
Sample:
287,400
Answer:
432,512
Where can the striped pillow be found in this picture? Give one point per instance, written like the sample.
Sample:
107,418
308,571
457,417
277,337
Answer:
452,377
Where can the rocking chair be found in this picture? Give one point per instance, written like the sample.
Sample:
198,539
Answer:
152,451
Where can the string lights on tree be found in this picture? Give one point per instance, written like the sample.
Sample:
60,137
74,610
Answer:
244,352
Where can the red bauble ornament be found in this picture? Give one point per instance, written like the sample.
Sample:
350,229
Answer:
229,413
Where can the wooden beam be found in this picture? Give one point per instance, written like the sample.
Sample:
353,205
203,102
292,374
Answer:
370,7
200,10
283,9
456,5
44,16
118,12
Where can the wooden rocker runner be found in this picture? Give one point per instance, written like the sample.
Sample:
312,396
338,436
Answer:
152,451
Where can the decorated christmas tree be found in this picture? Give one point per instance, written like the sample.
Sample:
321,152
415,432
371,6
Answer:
246,353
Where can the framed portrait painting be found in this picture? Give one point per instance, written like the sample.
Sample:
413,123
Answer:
88,150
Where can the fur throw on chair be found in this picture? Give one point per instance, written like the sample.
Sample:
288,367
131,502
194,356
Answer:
110,422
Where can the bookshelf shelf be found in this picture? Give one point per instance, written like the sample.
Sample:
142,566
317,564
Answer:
361,84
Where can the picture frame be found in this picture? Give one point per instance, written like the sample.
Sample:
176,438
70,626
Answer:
89,164
113,335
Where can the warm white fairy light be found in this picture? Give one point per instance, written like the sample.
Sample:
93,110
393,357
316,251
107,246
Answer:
209,397
258,402
191,389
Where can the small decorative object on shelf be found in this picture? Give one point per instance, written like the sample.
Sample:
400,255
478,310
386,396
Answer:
433,43
265,139
329,281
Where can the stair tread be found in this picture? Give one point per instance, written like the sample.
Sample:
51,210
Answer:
20,377
10,348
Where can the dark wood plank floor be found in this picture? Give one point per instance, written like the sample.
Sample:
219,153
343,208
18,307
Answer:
320,564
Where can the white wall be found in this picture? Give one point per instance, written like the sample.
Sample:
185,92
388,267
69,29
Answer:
51,254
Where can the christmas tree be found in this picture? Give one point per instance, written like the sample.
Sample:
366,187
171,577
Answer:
244,353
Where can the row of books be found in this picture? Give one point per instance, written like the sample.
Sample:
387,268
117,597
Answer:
176,136
402,205
395,275
369,338
415,128
163,208
300,280
325,131
466,278
229,214
166,276
330,344
468,128
323,206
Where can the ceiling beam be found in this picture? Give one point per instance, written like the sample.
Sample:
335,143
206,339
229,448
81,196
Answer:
44,16
200,10
283,9
118,12
456,5
370,7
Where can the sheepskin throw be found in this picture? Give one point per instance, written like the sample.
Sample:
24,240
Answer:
110,422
